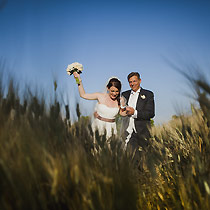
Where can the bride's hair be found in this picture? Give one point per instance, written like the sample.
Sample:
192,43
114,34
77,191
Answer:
115,83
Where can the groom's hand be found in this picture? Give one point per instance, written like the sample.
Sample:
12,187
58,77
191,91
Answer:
129,110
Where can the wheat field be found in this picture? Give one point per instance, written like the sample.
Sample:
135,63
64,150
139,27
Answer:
49,162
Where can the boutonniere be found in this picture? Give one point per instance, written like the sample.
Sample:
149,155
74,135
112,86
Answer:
143,96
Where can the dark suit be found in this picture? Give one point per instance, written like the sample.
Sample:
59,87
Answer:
145,107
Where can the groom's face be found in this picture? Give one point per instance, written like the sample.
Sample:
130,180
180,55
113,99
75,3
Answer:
134,83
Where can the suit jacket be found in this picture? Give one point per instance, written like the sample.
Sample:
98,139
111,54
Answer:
145,107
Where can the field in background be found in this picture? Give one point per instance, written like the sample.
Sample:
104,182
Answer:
47,162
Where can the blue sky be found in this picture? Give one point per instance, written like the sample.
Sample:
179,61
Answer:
39,38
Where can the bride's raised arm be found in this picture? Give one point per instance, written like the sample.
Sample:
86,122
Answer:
82,93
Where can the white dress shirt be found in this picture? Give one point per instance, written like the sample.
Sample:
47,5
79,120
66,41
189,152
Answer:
132,103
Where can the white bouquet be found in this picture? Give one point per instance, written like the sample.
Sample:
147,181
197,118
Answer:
75,67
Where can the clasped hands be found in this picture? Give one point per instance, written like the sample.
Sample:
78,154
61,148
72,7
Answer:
128,111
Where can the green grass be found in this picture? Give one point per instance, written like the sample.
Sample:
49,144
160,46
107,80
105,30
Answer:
48,162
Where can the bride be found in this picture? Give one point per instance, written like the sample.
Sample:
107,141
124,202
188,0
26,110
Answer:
107,108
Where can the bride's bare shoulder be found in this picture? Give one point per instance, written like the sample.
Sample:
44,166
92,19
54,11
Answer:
101,97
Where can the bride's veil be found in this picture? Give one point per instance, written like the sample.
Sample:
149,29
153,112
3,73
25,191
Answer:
122,122
107,82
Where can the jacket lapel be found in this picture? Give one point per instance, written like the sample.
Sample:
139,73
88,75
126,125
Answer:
140,100
127,96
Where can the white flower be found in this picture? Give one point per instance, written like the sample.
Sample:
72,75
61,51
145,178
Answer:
143,96
78,67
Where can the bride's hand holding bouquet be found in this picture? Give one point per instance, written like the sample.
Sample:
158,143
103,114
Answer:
77,78
75,69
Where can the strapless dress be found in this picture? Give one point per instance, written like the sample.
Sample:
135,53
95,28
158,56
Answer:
108,113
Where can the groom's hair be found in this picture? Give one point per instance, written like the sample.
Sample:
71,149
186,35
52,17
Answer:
133,74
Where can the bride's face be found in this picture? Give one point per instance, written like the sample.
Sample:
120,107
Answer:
113,92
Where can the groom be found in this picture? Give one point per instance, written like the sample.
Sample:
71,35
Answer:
140,110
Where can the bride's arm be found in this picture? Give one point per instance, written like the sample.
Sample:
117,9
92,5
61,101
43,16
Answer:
82,93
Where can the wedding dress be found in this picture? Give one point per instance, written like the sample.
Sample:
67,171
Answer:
105,112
